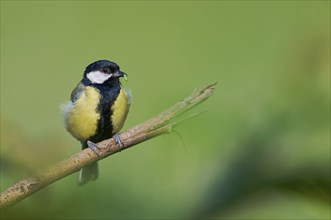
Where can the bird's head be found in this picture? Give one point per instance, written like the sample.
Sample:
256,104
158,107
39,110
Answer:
103,71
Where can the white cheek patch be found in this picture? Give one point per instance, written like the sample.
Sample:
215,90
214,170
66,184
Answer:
98,77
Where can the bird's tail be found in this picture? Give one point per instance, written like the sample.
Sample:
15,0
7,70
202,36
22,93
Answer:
88,173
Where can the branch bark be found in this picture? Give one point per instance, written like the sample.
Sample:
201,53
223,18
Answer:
160,124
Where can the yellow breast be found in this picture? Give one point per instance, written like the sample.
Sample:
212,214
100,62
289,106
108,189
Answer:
82,119
120,110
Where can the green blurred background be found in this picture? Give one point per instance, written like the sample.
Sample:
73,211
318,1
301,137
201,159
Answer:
262,150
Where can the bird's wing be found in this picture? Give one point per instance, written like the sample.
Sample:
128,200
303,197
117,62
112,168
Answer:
77,92
128,104
129,94
68,106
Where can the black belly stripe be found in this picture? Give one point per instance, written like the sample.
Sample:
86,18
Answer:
109,95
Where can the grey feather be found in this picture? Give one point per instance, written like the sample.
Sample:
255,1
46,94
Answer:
77,92
67,107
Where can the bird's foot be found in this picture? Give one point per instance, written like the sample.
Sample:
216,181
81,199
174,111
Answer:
94,148
119,141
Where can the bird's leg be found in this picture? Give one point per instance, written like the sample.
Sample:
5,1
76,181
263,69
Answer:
93,147
119,141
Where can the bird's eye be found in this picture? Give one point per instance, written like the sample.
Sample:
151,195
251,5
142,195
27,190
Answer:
106,70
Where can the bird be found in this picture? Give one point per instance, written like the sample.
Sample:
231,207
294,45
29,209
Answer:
97,110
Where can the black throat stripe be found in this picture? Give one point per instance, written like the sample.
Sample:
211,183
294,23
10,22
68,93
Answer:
109,94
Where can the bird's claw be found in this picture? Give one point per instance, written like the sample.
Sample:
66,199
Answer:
94,148
119,141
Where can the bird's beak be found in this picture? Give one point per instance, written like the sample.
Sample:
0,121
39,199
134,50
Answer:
119,74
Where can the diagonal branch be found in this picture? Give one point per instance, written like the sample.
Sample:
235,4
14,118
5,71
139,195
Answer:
160,124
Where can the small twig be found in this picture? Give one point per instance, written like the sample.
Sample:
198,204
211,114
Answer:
161,124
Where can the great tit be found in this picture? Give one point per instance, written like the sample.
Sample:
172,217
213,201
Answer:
98,108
